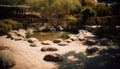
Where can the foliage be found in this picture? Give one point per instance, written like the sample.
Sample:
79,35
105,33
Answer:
12,2
28,35
8,25
4,29
51,9
14,24
102,9
71,18
87,12
107,31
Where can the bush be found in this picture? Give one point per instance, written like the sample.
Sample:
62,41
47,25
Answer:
4,29
15,25
8,25
71,18
107,31
28,35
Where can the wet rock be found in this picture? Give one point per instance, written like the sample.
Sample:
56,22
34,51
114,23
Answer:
91,50
47,42
57,40
53,57
48,48
91,42
6,59
63,43
68,40
32,40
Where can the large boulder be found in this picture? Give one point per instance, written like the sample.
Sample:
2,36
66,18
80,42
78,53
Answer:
91,50
48,48
47,42
57,40
53,57
6,59
91,42
63,44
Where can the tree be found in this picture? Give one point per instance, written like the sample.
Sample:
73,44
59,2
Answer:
102,9
87,12
51,9
12,2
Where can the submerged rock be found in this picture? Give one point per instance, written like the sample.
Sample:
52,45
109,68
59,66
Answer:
6,59
53,57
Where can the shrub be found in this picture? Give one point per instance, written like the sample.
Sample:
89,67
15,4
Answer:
28,35
107,31
8,25
15,25
71,18
4,29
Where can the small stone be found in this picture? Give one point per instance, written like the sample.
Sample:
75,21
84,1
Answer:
48,48
68,40
74,38
81,38
47,42
57,40
63,43
53,57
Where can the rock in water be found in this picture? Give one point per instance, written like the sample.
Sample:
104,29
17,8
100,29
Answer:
48,48
53,57
6,59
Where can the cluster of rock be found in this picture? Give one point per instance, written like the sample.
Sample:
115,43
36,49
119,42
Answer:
19,35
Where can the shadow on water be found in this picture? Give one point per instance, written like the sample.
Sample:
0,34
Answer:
107,59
